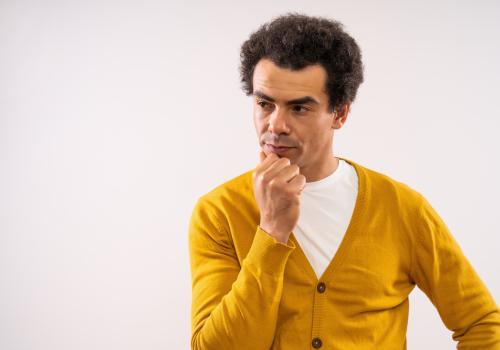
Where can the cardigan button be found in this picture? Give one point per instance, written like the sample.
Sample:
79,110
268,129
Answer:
316,343
321,287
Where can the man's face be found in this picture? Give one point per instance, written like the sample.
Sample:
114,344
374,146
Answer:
290,109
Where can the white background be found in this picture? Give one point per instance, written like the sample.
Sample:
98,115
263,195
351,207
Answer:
115,116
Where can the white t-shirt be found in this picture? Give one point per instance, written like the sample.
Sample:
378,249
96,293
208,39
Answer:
326,207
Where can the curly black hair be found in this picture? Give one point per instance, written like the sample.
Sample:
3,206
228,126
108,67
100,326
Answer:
294,41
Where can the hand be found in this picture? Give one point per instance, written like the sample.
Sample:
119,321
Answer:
277,185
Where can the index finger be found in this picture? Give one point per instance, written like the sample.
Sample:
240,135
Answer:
265,160
262,156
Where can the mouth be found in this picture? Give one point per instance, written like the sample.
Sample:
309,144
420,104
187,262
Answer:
277,149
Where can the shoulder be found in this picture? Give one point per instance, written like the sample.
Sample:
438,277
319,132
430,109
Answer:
386,191
228,199
237,187
210,216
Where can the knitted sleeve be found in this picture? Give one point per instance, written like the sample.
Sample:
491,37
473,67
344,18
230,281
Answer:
233,306
445,275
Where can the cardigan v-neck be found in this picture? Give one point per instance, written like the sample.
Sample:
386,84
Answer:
350,234
250,291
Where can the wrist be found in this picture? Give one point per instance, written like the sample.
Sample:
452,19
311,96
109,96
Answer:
279,236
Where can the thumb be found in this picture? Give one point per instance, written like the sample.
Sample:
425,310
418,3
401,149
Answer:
262,156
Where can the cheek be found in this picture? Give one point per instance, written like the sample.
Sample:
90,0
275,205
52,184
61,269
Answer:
259,126
260,121
312,141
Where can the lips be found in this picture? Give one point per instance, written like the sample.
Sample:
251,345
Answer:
277,146
277,149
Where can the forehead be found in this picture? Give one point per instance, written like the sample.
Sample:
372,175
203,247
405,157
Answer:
283,84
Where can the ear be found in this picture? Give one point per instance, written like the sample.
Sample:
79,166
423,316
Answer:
340,116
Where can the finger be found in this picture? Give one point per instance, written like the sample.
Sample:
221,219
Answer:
273,169
287,173
271,155
298,182
262,156
266,160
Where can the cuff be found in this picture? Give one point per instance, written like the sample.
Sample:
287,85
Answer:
268,254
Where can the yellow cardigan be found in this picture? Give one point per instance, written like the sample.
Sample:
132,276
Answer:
250,291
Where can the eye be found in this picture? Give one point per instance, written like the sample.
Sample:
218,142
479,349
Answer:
300,109
263,104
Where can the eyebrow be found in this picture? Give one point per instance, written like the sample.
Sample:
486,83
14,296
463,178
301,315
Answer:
297,101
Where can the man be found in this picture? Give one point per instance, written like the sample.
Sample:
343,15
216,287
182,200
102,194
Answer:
308,250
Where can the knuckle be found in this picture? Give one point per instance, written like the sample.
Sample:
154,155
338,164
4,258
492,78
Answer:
286,161
261,177
272,182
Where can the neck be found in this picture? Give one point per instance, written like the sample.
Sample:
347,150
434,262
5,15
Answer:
323,170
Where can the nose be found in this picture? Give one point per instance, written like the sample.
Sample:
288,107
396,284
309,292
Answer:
278,121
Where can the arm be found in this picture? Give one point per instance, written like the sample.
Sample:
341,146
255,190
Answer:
233,307
444,274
